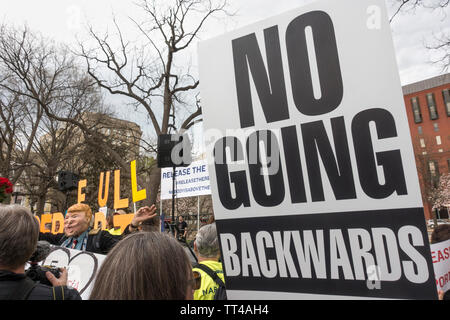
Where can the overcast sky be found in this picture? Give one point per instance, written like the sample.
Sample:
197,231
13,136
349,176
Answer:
63,20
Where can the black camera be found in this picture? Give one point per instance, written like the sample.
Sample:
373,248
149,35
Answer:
37,273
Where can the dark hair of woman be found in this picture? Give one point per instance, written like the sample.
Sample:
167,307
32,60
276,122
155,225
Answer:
144,266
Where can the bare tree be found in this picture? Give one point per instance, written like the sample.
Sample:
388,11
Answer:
412,5
11,118
18,127
440,44
149,76
441,194
35,72
49,76
49,110
53,147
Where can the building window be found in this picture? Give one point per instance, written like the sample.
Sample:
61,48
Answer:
432,106
448,164
416,110
446,96
422,143
433,168
438,140
433,172
436,127
419,129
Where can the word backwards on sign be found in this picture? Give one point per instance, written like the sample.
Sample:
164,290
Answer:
317,194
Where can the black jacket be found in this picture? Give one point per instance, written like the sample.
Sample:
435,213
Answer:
98,241
10,282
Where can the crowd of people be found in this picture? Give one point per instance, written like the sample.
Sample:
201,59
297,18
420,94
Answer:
146,259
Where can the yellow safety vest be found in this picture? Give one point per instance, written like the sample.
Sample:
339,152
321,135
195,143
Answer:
208,285
115,232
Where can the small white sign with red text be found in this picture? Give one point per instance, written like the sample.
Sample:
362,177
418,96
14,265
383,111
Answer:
82,267
440,253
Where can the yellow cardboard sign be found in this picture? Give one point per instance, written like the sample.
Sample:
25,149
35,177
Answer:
57,219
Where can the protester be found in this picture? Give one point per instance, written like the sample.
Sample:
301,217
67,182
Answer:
115,231
19,232
145,266
181,229
79,235
206,248
145,219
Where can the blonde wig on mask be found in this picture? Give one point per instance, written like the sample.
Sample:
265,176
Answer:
81,207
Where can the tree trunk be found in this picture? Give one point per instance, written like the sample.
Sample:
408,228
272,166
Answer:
41,203
153,186
434,217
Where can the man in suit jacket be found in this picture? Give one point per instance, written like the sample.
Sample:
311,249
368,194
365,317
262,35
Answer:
78,235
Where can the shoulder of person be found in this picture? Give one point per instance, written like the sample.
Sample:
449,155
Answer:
216,265
212,265
107,234
94,231
103,233
44,292
103,241
51,238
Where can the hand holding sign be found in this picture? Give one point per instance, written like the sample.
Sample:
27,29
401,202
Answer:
143,214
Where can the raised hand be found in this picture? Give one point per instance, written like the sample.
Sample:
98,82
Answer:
143,214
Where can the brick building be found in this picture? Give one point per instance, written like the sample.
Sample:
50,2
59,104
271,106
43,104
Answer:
428,108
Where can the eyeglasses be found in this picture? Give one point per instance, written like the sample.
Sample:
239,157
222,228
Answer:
196,281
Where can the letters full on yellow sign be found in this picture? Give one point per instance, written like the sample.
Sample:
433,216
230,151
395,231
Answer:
57,219
103,189
57,222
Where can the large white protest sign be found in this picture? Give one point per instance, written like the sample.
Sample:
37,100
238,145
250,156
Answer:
440,253
189,181
313,178
82,267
